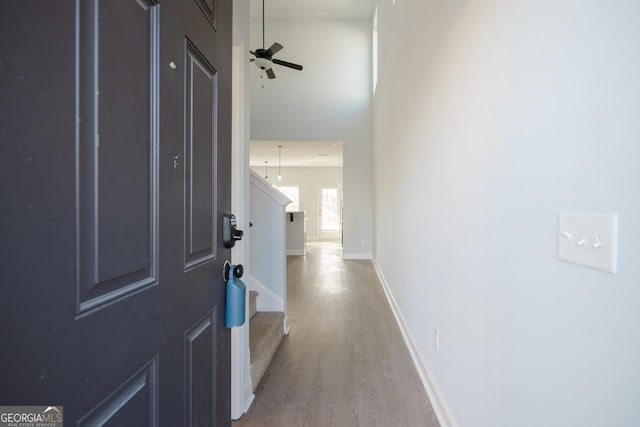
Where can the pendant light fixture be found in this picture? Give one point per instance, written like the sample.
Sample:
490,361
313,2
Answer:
279,162
266,171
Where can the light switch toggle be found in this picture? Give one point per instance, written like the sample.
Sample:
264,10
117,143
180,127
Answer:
598,242
582,241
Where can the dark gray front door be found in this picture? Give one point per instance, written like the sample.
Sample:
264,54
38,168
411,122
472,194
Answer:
115,142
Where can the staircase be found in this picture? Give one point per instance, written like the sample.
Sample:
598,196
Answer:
266,331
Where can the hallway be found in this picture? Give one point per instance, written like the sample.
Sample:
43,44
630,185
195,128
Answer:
344,362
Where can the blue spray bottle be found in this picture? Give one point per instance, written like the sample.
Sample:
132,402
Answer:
235,298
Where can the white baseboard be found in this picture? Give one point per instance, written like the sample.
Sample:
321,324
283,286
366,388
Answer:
296,252
247,400
354,255
267,299
287,327
248,397
444,414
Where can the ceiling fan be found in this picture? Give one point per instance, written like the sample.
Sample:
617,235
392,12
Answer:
264,57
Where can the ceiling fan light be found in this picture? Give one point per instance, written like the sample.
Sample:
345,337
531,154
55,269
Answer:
262,63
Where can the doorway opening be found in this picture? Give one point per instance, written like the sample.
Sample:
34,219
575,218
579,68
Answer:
309,173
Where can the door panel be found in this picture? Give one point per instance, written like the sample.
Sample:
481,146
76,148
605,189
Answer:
117,133
208,8
135,402
118,126
200,158
200,366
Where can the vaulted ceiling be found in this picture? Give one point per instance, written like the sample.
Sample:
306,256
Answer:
333,85
313,9
297,153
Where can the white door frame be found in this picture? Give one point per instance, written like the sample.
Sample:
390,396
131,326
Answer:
241,387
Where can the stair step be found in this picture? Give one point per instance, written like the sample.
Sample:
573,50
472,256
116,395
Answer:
266,330
253,295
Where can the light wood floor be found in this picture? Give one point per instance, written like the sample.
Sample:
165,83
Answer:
344,362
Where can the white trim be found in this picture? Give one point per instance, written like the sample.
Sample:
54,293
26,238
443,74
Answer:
286,325
355,255
296,252
241,400
269,300
442,410
271,191
240,358
248,397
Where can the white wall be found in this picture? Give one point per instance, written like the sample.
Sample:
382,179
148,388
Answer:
268,274
294,229
329,100
308,180
491,117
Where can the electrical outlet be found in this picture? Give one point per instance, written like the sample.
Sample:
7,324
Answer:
436,339
589,239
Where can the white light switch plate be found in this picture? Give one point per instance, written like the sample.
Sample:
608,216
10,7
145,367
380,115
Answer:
589,239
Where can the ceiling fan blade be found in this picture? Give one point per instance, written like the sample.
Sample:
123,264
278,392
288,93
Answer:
287,64
270,73
252,53
276,47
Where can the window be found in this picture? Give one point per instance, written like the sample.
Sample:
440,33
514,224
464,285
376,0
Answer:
293,194
375,50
